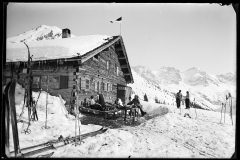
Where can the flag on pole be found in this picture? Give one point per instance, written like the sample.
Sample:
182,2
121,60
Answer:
119,20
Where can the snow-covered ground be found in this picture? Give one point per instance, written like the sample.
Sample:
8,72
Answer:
163,132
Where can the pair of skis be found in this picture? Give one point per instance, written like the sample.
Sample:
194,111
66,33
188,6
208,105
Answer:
54,144
228,100
10,111
34,115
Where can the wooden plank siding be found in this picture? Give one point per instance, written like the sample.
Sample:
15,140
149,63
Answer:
94,69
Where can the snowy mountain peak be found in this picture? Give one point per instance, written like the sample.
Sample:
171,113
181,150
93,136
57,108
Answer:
168,69
229,74
227,78
141,69
42,32
42,27
195,69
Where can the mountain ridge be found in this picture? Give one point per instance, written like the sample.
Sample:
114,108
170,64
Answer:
42,32
209,89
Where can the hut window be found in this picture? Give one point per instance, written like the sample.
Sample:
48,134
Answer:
107,86
117,71
87,84
63,82
54,82
93,86
97,86
96,56
44,81
79,83
107,65
7,79
36,82
102,86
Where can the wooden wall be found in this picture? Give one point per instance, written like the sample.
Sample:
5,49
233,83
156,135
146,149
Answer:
93,69
96,71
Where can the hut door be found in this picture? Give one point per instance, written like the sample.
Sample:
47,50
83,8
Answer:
128,94
121,92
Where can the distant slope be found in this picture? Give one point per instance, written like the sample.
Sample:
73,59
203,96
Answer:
208,90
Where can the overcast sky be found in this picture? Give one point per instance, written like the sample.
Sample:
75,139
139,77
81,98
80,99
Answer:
155,35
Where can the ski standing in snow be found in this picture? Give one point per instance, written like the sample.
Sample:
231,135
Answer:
224,105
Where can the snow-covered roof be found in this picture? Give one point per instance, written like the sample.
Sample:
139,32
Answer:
56,48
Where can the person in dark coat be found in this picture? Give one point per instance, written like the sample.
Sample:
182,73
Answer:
85,103
178,100
137,104
129,99
187,100
187,103
101,100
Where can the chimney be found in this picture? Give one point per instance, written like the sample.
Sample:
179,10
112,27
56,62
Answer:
66,33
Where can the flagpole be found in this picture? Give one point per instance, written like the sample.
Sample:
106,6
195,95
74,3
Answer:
120,28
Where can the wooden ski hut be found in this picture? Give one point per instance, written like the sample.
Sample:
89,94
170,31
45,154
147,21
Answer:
94,63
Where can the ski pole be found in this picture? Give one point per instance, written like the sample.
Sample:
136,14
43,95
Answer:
76,125
230,104
195,107
225,108
231,111
46,127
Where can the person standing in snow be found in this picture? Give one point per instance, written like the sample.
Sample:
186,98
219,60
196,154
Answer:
137,104
187,103
179,99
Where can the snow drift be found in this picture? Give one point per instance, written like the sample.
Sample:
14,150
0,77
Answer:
162,134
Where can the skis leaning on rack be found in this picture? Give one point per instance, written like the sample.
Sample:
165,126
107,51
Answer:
28,98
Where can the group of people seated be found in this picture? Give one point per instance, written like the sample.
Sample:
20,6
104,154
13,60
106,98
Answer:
100,104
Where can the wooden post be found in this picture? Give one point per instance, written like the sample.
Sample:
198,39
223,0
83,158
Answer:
46,127
125,116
